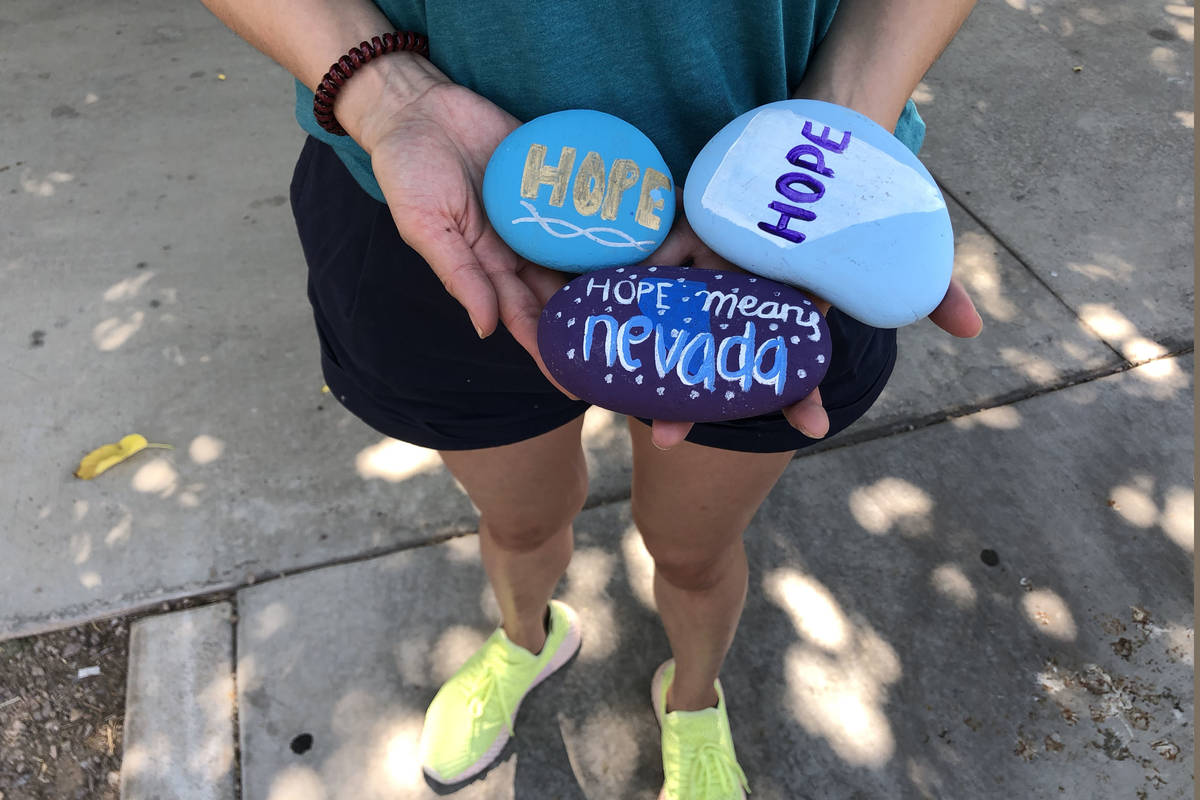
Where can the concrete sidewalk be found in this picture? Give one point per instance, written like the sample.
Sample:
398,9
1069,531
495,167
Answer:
914,628
153,283
878,657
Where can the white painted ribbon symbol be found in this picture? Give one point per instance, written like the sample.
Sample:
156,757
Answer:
574,230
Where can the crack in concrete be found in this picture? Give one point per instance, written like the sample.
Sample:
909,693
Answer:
998,401
1024,262
235,619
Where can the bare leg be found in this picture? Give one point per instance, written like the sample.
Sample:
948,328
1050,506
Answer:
692,505
527,495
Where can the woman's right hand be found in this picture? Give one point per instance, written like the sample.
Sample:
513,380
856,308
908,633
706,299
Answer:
429,154
429,142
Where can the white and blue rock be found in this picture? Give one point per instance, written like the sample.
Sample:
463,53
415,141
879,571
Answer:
821,197
579,190
682,343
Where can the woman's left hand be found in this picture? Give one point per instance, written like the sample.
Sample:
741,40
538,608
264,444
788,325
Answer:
956,315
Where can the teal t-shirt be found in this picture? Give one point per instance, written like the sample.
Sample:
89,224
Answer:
678,70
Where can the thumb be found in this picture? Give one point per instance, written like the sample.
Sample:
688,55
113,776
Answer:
956,313
665,435
808,416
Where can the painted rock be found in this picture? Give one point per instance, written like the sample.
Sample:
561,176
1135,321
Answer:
819,196
579,190
686,344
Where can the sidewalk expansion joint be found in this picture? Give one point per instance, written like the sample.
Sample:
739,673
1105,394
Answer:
177,599
1005,399
235,620
228,591
612,498
366,555
936,417
1024,262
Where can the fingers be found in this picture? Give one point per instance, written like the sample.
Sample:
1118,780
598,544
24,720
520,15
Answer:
683,247
517,305
489,286
674,248
442,245
821,303
808,416
956,314
522,290
520,312
543,281
704,258
674,251
665,435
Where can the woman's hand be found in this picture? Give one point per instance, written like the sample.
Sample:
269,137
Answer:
956,315
429,142
683,247
429,156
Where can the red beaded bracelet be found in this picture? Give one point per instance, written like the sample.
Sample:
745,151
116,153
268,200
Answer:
344,67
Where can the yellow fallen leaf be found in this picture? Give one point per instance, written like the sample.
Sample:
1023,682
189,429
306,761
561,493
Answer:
108,455
325,389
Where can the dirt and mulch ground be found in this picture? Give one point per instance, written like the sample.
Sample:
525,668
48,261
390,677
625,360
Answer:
62,710
62,706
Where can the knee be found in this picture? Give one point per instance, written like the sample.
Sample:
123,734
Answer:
692,572
683,564
529,526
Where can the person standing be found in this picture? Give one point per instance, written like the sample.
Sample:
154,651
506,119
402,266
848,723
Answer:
386,196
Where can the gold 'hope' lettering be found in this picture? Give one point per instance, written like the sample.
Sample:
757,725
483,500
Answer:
590,191
536,173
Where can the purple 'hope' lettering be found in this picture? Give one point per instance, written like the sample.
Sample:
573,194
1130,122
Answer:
809,157
796,156
786,182
787,213
823,140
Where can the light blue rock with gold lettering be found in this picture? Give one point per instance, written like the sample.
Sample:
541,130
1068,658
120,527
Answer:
823,198
579,190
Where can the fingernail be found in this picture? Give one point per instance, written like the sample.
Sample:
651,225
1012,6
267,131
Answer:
659,446
478,331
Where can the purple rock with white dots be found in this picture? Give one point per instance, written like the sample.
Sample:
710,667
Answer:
683,344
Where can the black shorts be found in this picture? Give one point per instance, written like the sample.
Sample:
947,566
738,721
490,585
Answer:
400,353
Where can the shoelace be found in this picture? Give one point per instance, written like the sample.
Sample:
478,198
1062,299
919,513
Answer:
712,771
485,688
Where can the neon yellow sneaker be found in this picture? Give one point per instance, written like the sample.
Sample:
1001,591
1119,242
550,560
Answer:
472,716
697,747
